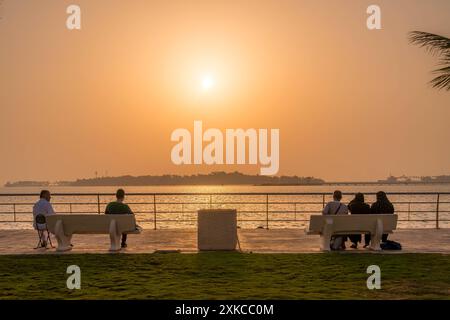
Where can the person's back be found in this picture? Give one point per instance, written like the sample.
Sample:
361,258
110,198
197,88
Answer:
333,208
118,207
382,206
42,207
357,207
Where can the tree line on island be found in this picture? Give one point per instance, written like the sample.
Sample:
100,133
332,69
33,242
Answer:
214,178
222,178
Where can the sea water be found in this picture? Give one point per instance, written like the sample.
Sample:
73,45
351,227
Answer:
258,210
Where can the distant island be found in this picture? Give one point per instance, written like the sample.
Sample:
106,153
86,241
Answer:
223,178
28,184
214,178
415,179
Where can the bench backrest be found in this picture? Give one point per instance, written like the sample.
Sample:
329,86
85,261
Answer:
354,222
91,223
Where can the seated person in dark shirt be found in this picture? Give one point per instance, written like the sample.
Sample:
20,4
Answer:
358,206
118,207
381,206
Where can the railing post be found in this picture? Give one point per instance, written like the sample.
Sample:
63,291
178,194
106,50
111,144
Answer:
210,201
295,211
70,207
154,211
437,211
323,200
98,203
409,211
267,211
14,210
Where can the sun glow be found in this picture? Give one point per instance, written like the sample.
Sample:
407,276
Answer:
207,82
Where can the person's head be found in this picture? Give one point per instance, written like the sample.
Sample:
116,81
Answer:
45,194
381,196
359,197
337,195
120,194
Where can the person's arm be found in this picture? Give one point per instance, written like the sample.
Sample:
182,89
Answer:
326,209
129,210
391,208
50,210
344,209
34,217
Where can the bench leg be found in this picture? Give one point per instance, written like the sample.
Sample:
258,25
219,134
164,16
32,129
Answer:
325,237
115,236
63,240
376,238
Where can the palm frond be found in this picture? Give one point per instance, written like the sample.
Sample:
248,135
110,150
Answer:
441,82
436,45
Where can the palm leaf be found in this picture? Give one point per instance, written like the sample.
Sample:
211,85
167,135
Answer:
436,45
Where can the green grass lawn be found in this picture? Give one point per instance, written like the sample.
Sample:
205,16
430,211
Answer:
225,276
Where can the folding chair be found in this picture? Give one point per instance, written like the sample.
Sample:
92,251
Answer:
43,238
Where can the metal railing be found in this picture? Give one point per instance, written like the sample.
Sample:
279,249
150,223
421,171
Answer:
267,209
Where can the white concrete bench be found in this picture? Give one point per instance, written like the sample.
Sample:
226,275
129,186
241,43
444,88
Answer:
375,224
63,226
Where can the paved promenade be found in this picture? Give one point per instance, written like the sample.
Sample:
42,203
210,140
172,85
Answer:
251,240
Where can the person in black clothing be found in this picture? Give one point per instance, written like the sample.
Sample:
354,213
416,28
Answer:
382,205
358,206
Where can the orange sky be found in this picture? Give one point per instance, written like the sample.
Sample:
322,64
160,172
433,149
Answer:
351,104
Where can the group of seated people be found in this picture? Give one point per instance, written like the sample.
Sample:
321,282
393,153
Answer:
44,207
335,207
382,205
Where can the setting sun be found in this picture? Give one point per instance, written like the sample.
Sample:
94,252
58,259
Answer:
209,153
207,82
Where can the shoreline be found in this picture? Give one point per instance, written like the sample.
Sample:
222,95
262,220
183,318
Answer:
369,183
